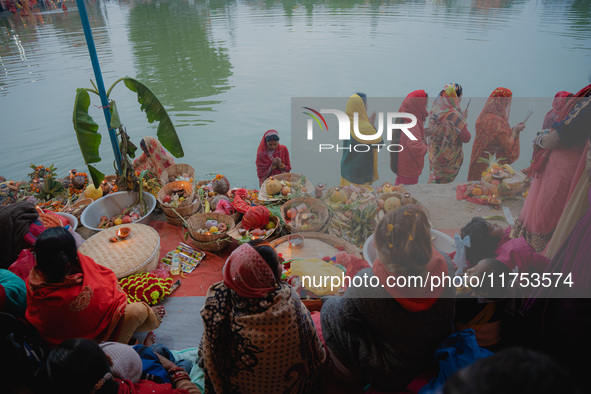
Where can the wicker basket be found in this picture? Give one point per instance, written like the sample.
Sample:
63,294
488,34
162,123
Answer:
168,188
290,177
332,244
385,196
509,187
314,206
172,214
212,242
177,169
137,253
236,234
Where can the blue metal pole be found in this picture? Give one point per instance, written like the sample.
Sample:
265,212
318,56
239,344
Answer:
99,80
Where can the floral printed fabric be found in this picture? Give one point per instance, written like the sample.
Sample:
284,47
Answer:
259,345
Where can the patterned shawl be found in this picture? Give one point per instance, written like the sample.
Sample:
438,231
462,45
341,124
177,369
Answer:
445,148
259,345
156,161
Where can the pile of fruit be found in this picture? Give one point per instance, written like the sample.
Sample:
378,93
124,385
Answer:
389,188
256,224
349,195
303,216
496,173
175,197
213,227
480,192
387,203
129,215
282,189
278,188
180,177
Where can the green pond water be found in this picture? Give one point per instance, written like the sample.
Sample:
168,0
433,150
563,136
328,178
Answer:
227,70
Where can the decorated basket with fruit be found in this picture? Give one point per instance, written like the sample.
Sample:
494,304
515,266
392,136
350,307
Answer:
342,197
304,214
209,231
257,223
478,193
176,194
389,188
178,172
388,202
501,179
285,186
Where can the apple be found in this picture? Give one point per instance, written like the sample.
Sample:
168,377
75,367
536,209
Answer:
126,219
166,198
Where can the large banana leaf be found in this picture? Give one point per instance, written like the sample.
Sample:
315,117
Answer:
86,128
155,111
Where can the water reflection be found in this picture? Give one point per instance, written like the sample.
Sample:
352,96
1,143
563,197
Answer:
233,65
179,62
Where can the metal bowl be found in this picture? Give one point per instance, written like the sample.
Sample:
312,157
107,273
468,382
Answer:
71,218
441,241
111,205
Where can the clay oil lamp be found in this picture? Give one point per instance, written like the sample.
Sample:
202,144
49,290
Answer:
123,232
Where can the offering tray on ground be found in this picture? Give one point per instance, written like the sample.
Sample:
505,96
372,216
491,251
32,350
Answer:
136,253
316,245
289,177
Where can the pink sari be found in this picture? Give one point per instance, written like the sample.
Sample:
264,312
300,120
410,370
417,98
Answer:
546,198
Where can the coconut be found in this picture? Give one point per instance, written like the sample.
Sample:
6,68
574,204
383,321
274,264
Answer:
273,186
221,186
338,196
391,204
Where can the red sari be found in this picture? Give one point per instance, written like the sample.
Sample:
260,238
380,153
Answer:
85,304
412,158
264,160
493,134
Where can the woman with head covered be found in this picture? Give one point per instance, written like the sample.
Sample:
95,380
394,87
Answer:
359,165
258,336
448,122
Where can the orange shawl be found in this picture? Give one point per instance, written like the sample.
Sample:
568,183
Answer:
85,304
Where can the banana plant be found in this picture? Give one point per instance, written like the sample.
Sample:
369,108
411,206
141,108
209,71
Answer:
89,139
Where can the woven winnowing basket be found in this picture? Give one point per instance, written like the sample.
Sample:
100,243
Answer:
177,169
291,177
135,254
168,188
314,206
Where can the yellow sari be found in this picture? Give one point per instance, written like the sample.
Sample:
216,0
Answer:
356,165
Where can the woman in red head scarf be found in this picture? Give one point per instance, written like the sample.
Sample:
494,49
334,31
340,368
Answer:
258,335
494,134
409,163
554,168
557,105
272,157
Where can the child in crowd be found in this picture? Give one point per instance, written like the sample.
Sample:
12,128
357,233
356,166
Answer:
387,335
491,307
490,240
